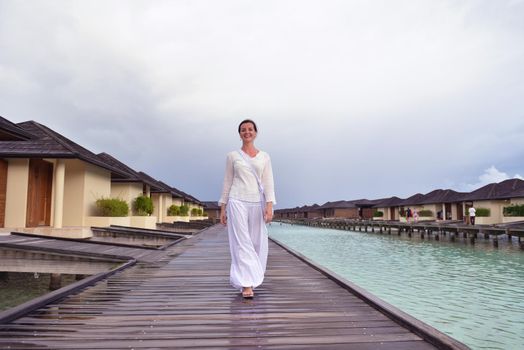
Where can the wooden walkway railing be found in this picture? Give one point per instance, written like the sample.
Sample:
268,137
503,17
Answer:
185,301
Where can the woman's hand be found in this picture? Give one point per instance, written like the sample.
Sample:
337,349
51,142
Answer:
268,214
223,216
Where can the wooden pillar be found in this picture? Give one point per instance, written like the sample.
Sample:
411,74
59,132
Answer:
55,282
4,276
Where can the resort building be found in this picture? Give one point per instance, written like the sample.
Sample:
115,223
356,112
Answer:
389,207
212,209
47,180
490,201
339,209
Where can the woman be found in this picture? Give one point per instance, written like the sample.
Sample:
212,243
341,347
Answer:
246,206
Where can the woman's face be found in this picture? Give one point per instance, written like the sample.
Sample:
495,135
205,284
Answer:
247,132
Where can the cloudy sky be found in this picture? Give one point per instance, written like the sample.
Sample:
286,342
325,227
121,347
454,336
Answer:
353,99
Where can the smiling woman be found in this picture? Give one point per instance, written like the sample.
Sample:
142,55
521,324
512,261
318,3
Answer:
246,206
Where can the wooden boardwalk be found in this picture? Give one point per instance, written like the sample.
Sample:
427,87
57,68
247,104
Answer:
71,246
184,301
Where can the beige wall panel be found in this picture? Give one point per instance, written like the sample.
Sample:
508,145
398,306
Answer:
73,192
16,192
518,201
496,211
97,185
127,191
156,205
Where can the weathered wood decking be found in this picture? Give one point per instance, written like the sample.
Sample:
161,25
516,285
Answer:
185,301
72,247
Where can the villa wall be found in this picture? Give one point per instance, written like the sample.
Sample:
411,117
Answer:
127,191
84,184
350,213
16,192
496,207
162,202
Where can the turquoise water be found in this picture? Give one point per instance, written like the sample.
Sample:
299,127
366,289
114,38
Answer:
472,293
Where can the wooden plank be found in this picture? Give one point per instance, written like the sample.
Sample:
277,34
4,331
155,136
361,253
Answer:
184,301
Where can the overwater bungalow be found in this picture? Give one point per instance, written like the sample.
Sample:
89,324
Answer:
47,179
212,209
339,209
389,208
312,211
442,205
435,205
490,201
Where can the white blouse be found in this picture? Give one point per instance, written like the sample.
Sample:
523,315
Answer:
240,182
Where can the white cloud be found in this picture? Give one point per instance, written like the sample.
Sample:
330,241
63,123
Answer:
491,175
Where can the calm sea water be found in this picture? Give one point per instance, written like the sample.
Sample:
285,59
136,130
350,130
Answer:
472,293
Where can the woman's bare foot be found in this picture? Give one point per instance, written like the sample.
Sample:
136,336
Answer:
247,292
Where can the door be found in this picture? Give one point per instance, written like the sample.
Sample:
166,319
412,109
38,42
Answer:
39,193
447,208
460,212
392,213
3,190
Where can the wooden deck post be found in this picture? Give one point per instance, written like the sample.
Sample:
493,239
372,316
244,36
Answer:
55,281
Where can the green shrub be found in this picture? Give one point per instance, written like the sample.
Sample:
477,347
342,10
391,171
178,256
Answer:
514,210
204,213
143,206
200,212
378,214
425,212
112,207
184,210
194,212
173,210
482,212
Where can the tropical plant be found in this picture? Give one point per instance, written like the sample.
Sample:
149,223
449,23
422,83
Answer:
514,210
378,214
143,206
482,212
184,210
194,212
425,212
173,210
113,207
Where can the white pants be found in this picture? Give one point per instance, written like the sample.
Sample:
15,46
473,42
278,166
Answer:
248,243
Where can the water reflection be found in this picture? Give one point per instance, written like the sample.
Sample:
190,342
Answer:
19,287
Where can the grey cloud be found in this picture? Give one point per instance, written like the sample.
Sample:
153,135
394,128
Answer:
353,99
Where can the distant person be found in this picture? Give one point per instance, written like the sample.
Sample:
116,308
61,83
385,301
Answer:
439,215
415,215
409,215
472,212
246,205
